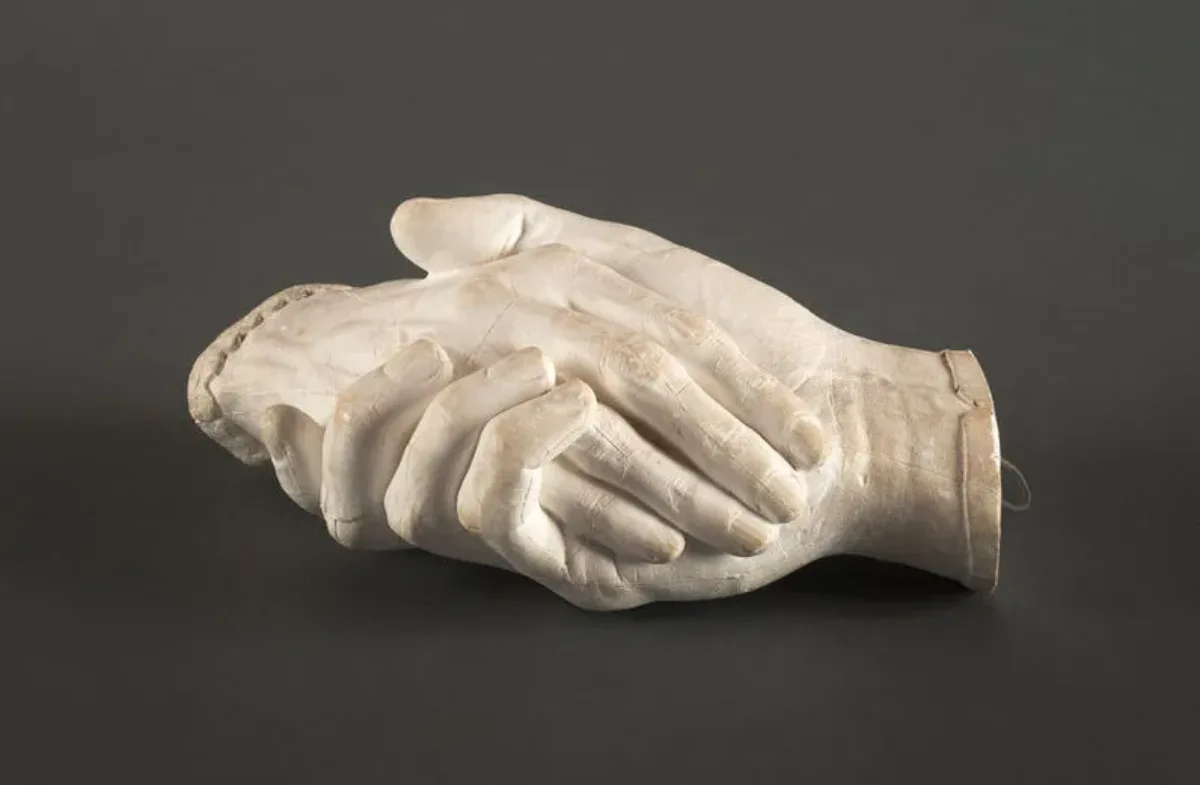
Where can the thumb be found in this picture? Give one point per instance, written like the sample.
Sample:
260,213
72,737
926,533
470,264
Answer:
445,234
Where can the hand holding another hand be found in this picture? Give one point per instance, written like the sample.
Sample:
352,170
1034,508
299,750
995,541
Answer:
381,452
708,436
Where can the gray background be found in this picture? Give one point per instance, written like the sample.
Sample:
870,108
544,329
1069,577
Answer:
1018,178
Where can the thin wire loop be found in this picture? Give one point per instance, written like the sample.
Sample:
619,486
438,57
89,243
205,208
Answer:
1017,506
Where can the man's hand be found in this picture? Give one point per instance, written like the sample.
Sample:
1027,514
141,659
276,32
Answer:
909,437
672,362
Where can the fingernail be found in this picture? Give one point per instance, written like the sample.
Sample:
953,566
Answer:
574,398
419,362
526,365
663,548
806,445
750,537
576,390
785,497
532,365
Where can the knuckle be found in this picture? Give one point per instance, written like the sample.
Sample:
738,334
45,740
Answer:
349,416
500,436
442,406
615,432
597,506
729,435
691,328
486,448
640,360
728,357
484,290
510,435
678,492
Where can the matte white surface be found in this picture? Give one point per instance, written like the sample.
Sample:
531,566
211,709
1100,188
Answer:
619,418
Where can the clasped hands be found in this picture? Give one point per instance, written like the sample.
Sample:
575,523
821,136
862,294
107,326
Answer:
616,417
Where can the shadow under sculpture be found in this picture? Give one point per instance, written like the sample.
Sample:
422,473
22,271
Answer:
619,418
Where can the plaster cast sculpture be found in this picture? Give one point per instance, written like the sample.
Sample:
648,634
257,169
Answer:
616,417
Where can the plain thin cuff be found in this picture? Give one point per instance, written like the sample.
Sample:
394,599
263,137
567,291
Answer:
979,467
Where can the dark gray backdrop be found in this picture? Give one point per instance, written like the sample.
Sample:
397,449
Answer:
1018,178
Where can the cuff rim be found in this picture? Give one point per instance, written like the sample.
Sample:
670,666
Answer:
979,465
202,404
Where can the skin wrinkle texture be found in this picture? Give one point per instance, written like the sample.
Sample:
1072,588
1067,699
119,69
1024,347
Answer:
896,453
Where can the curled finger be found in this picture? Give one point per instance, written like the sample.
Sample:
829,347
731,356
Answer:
366,437
602,515
615,453
500,496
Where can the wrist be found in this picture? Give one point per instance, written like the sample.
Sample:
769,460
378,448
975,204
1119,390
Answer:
921,463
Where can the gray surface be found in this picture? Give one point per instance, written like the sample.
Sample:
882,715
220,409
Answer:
1022,181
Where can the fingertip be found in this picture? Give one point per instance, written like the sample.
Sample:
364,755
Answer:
422,360
446,233
751,539
559,417
785,497
579,392
547,370
669,548
807,445
403,219
428,345
281,427
526,365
